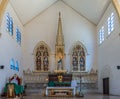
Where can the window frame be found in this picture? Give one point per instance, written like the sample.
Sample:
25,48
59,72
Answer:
110,23
18,35
9,24
101,35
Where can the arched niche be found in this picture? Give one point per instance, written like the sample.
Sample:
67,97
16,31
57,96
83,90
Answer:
41,56
78,54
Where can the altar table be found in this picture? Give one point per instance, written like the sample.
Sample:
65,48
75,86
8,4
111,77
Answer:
51,91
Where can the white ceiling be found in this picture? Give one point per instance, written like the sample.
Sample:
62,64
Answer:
90,9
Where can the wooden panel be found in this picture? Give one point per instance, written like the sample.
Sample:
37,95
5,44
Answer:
54,77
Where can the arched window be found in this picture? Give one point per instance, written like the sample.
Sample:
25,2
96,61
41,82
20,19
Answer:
17,66
110,23
42,58
18,35
12,64
78,58
9,24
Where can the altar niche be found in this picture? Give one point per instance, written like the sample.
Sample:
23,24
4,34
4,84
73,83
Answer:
60,58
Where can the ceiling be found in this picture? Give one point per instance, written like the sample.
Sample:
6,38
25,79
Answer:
90,9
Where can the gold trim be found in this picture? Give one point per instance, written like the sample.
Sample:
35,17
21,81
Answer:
2,9
117,6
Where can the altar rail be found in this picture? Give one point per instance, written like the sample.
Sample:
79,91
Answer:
89,82
35,82
36,77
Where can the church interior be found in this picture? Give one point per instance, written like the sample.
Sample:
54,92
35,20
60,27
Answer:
59,48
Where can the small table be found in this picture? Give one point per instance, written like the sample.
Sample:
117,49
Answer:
50,91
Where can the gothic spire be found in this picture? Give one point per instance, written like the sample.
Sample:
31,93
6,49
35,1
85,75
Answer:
59,38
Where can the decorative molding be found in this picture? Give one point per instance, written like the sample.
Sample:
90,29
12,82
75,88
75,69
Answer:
2,8
117,6
78,43
41,43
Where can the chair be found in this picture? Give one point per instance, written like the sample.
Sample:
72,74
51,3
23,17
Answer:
10,91
14,87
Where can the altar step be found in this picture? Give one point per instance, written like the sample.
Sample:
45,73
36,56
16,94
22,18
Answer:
33,91
34,88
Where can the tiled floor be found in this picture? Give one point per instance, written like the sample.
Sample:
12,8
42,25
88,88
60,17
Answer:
86,96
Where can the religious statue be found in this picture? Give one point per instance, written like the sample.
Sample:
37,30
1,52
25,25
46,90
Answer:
15,79
60,64
60,77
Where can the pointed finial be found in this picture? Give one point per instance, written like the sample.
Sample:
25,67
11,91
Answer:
59,39
59,14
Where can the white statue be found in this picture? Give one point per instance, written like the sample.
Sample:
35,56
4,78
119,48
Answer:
60,64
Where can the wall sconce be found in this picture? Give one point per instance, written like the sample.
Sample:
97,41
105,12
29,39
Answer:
1,66
118,67
0,34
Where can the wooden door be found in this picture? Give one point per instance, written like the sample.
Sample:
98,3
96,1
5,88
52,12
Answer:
106,86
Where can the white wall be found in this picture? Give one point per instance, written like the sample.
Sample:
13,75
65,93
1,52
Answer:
44,28
108,53
9,48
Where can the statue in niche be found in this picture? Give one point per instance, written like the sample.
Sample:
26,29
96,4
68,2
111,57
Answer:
60,64
60,57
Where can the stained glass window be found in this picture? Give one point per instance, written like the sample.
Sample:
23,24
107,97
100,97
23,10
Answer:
18,35
12,64
9,24
42,58
17,66
101,35
110,23
78,58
